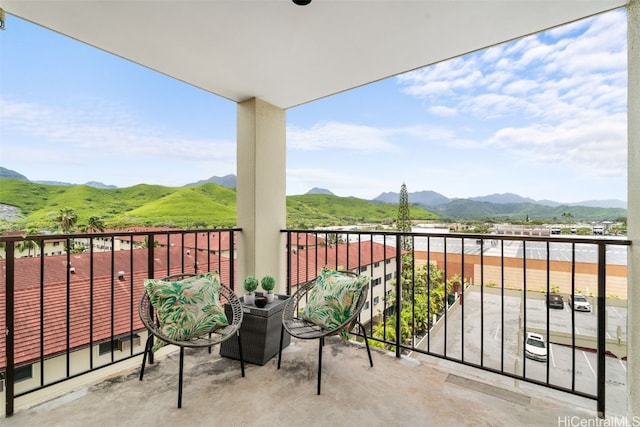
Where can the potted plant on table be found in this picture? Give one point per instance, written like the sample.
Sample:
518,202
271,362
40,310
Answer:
250,285
268,283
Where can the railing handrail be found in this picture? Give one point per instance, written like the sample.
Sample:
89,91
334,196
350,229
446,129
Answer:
608,240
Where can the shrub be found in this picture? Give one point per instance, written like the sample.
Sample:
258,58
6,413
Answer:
268,283
250,284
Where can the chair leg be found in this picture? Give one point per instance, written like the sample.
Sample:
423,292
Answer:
366,341
320,362
180,377
281,342
147,350
240,352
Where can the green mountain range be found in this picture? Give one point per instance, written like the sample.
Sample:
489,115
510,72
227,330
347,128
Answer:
466,209
212,203
205,205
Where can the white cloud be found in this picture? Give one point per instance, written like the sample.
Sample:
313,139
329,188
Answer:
441,110
558,96
70,144
521,87
344,136
494,105
443,78
339,182
589,145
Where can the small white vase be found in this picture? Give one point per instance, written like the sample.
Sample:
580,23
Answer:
270,296
249,299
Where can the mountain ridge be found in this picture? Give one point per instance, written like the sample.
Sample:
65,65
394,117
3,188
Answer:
424,198
432,199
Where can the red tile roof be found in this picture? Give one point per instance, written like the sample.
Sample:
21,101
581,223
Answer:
89,300
216,241
306,264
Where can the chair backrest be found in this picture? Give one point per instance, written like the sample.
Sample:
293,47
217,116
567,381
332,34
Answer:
293,305
227,297
145,309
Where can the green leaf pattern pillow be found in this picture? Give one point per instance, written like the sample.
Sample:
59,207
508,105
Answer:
188,308
332,299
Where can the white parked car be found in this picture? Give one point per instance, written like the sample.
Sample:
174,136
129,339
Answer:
535,348
579,303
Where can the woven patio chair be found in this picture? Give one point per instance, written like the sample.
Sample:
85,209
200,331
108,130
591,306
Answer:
297,327
149,316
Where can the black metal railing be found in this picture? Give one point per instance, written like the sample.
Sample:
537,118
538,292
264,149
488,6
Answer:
474,298
467,298
70,301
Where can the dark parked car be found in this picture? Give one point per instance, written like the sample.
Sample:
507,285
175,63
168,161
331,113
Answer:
555,301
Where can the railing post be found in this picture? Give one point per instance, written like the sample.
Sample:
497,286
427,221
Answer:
289,252
232,256
602,325
9,322
398,294
150,268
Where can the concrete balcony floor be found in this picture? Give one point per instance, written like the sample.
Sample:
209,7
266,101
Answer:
395,392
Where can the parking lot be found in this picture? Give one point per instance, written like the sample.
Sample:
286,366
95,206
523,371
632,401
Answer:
493,338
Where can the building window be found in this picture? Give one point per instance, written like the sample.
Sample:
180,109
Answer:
366,305
363,269
23,373
376,265
376,300
375,282
388,261
388,277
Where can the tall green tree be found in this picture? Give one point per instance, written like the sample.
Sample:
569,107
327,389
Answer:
28,245
94,224
67,218
403,222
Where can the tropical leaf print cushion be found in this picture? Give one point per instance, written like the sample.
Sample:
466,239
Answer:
187,308
332,299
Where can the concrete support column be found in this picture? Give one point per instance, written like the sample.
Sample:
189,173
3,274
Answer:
261,191
633,211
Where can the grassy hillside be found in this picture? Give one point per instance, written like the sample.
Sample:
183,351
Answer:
323,209
205,205
200,206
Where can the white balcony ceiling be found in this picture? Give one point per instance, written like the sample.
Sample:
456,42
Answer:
286,54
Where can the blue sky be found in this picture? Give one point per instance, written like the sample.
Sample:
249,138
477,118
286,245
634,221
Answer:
543,117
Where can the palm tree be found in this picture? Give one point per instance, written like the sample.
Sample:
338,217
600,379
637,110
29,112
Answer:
67,218
94,224
28,245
